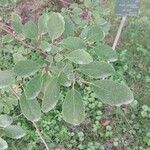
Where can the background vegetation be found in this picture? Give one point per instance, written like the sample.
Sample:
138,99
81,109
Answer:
105,127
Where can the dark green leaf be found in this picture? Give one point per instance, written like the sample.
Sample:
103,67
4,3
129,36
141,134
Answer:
112,93
69,27
73,108
30,30
106,52
97,69
33,87
80,57
95,34
73,43
17,23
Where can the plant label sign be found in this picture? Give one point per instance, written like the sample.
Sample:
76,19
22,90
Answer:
127,7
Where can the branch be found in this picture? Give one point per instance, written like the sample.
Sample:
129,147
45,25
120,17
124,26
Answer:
40,135
3,27
34,124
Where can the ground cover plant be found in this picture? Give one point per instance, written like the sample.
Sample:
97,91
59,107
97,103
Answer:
59,68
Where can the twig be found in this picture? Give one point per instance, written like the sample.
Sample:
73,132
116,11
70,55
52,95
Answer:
36,127
119,32
39,134
14,93
15,36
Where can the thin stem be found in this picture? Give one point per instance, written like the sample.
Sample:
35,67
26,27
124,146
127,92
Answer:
40,135
15,93
119,32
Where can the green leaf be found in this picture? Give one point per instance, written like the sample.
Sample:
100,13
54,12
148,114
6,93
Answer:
14,132
46,80
3,144
69,27
7,38
6,78
45,46
33,87
106,52
30,30
73,108
73,43
51,96
30,108
17,23
88,3
26,68
4,3
55,49
42,23
95,34
58,57
56,25
112,93
80,57
97,69
65,72
8,103
5,121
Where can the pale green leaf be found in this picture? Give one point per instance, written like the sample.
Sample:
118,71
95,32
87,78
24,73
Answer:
30,30
73,109
17,23
97,69
80,57
33,87
42,23
55,25
73,43
112,93
6,78
3,144
5,121
30,108
51,96
26,68
14,132
106,52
